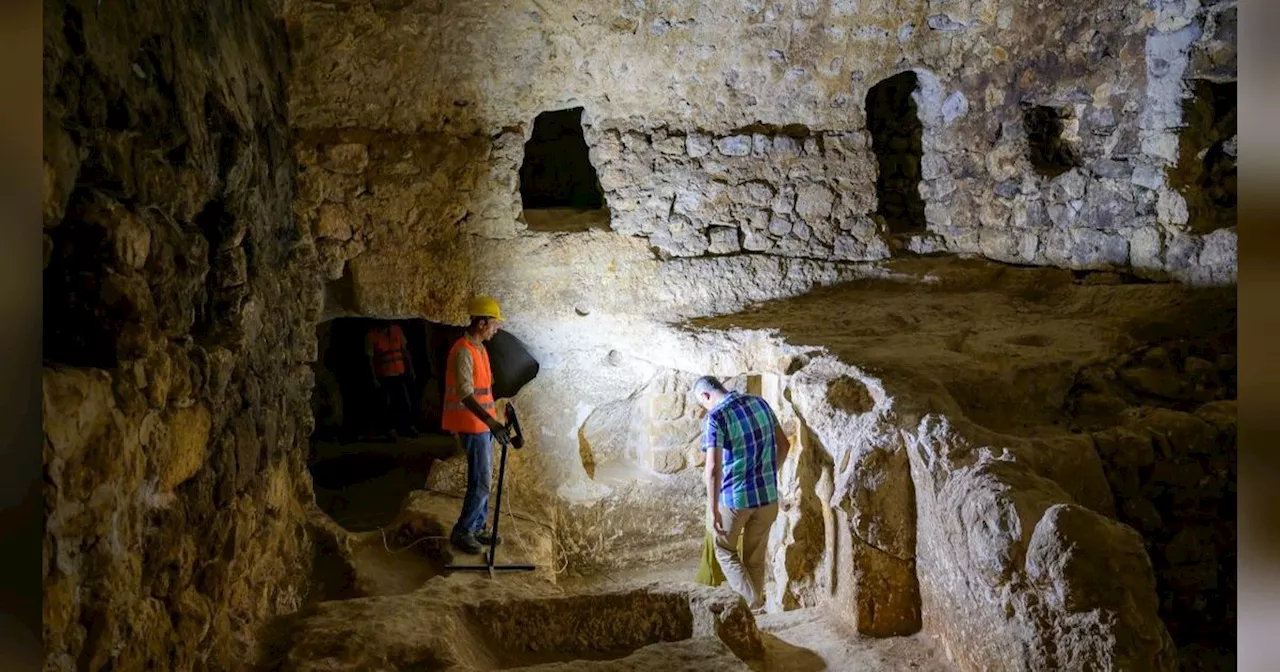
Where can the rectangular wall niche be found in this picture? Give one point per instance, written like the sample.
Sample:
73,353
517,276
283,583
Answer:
559,188
896,139
1205,174
1048,150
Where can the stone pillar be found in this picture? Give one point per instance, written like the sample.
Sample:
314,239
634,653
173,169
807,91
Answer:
876,589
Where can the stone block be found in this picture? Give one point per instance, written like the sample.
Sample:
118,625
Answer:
187,450
1084,561
734,145
346,158
1185,433
723,240
785,146
760,144
1098,249
1171,208
886,598
334,221
698,145
814,201
672,145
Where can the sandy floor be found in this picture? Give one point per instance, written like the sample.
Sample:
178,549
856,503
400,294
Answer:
807,640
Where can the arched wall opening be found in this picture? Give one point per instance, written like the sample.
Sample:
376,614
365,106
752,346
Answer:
897,139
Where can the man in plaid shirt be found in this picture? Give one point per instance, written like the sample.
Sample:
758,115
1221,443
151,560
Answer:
745,445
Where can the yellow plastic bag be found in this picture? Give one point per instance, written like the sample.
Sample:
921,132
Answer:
709,572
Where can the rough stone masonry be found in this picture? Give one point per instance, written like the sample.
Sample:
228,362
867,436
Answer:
1032,466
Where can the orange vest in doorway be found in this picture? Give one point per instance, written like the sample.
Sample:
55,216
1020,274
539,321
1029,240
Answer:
388,351
457,417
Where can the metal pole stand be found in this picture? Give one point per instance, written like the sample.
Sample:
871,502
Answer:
517,438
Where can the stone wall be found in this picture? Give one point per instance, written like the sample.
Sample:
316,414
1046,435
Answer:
180,299
365,194
733,82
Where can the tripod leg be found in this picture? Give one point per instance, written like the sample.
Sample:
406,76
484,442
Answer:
497,507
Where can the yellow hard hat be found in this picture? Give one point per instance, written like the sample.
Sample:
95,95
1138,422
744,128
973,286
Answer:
485,306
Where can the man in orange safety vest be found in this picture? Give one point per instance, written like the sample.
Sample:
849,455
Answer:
470,413
389,361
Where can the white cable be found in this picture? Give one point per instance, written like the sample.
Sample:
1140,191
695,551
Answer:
557,547
383,531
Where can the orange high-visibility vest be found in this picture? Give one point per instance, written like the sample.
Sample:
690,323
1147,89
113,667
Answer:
388,351
457,417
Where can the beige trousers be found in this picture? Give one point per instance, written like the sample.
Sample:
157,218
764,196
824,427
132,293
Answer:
745,574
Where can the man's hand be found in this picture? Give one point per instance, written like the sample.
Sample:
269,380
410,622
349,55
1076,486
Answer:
500,433
717,523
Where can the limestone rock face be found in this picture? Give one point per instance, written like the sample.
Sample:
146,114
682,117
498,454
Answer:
865,506
180,297
999,584
1001,479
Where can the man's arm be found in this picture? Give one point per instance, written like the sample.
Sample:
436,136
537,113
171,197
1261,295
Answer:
714,472
398,333
780,441
783,443
368,351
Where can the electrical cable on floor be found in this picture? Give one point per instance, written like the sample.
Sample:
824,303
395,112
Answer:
520,538
383,531
555,541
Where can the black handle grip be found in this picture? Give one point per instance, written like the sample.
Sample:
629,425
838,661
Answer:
513,427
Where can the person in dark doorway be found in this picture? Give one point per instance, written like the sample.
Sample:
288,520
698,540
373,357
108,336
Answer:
470,414
745,446
392,369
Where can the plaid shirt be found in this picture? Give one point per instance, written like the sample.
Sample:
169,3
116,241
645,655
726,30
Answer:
741,427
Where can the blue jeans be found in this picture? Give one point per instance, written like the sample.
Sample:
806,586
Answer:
475,505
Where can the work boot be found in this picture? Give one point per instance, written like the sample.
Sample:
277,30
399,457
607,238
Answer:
483,537
467,543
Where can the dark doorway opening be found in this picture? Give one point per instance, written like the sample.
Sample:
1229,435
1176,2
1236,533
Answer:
362,472
1205,174
347,404
897,140
1050,154
559,188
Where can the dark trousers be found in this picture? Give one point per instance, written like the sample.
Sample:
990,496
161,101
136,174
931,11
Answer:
398,408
